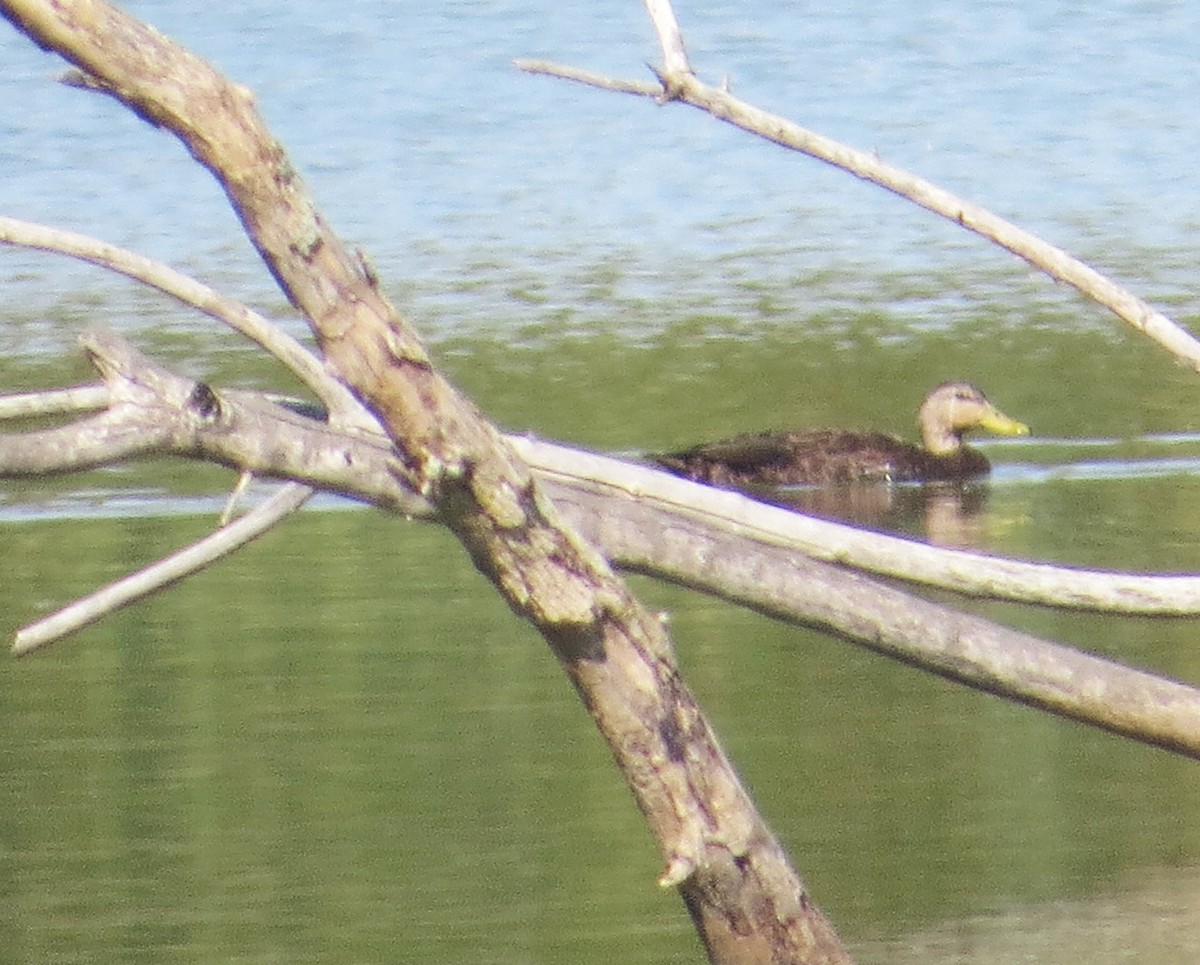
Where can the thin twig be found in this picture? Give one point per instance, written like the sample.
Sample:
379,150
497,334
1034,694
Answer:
244,479
642,88
173,568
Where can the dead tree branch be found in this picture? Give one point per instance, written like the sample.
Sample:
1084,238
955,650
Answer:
677,82
342,406
746,901
139,585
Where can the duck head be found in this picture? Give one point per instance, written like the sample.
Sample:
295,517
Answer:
955,408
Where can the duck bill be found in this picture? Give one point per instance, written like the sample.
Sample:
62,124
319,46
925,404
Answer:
997,422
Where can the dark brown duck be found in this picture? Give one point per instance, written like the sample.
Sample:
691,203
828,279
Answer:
825,456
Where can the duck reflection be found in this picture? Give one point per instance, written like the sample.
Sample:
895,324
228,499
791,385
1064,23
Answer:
944,513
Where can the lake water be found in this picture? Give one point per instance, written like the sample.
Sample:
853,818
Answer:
340,746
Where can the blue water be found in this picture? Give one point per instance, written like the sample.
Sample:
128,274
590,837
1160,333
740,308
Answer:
489,198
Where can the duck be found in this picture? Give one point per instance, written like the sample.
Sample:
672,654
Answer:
822,457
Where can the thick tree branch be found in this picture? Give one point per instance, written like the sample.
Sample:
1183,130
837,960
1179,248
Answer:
972,574
28,405
747,902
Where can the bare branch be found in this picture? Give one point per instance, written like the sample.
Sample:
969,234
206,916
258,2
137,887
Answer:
683,85
642,88
670,38
755,523
359,466
245,478
972,574
255,327
85,398
123,432
173,568
967,649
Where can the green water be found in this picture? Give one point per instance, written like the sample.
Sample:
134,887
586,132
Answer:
340,746
292,762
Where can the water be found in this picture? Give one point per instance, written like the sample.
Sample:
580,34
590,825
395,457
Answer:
341,747
487,197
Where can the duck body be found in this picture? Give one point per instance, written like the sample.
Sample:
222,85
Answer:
819,457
